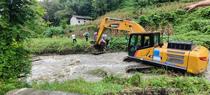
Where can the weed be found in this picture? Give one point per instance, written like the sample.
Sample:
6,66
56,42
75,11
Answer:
187,85
11,84
80,86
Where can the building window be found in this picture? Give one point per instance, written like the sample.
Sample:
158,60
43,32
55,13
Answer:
78,21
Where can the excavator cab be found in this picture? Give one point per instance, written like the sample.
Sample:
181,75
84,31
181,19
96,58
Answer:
142,41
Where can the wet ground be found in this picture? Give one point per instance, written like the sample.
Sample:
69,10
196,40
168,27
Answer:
68,67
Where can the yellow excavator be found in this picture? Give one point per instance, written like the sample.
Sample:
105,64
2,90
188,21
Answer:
147,48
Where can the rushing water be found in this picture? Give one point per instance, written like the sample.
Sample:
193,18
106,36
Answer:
65,67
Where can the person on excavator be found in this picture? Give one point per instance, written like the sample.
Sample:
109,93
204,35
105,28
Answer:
199,4
95,36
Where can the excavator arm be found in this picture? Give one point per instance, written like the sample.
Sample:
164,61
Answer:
118,24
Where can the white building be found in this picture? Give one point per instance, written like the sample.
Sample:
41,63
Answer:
79,20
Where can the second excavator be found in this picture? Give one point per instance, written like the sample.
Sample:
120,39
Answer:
147,47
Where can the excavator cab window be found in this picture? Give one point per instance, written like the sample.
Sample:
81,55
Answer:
134,44
142,41
156,39
146,41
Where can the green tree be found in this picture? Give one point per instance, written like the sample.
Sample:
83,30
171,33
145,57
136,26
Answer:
103,6
14,15
59,10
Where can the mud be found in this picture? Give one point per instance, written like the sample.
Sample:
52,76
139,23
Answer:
68,67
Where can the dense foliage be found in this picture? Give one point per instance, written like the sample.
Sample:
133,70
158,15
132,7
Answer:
53,31
14,59
143,3
59,11
185,26
16,19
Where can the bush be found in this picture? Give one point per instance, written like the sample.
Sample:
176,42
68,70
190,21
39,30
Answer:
143,3
15,62
9,85
14,29
54,31
144,21
135,80
205,13
118,44
200,25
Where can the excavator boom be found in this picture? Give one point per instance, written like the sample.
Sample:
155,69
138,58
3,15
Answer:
118,24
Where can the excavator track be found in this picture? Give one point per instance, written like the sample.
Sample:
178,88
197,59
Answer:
138,67
98,52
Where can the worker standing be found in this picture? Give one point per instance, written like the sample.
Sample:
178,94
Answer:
104,36
199,4
106,39
95,36
86,35
74,38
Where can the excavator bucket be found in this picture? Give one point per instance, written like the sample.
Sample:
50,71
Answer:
97,49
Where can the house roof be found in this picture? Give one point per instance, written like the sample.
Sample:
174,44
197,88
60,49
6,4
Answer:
82,17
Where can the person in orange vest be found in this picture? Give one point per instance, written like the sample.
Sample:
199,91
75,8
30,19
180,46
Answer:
198,4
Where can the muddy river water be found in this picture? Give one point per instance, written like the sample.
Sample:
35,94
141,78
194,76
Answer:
68,67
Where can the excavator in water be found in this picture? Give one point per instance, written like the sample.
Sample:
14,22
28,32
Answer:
147,48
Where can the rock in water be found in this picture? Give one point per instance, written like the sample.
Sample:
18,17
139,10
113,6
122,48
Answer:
30,91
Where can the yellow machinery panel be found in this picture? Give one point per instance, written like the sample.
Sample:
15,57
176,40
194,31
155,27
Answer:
194,61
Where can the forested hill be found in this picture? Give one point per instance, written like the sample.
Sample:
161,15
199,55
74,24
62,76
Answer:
154,15
59,10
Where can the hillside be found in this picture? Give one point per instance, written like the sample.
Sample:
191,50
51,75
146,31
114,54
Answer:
164,17
167,17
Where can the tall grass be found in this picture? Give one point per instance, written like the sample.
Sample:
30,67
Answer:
81,86
56,45
65,45
11,84
112,84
